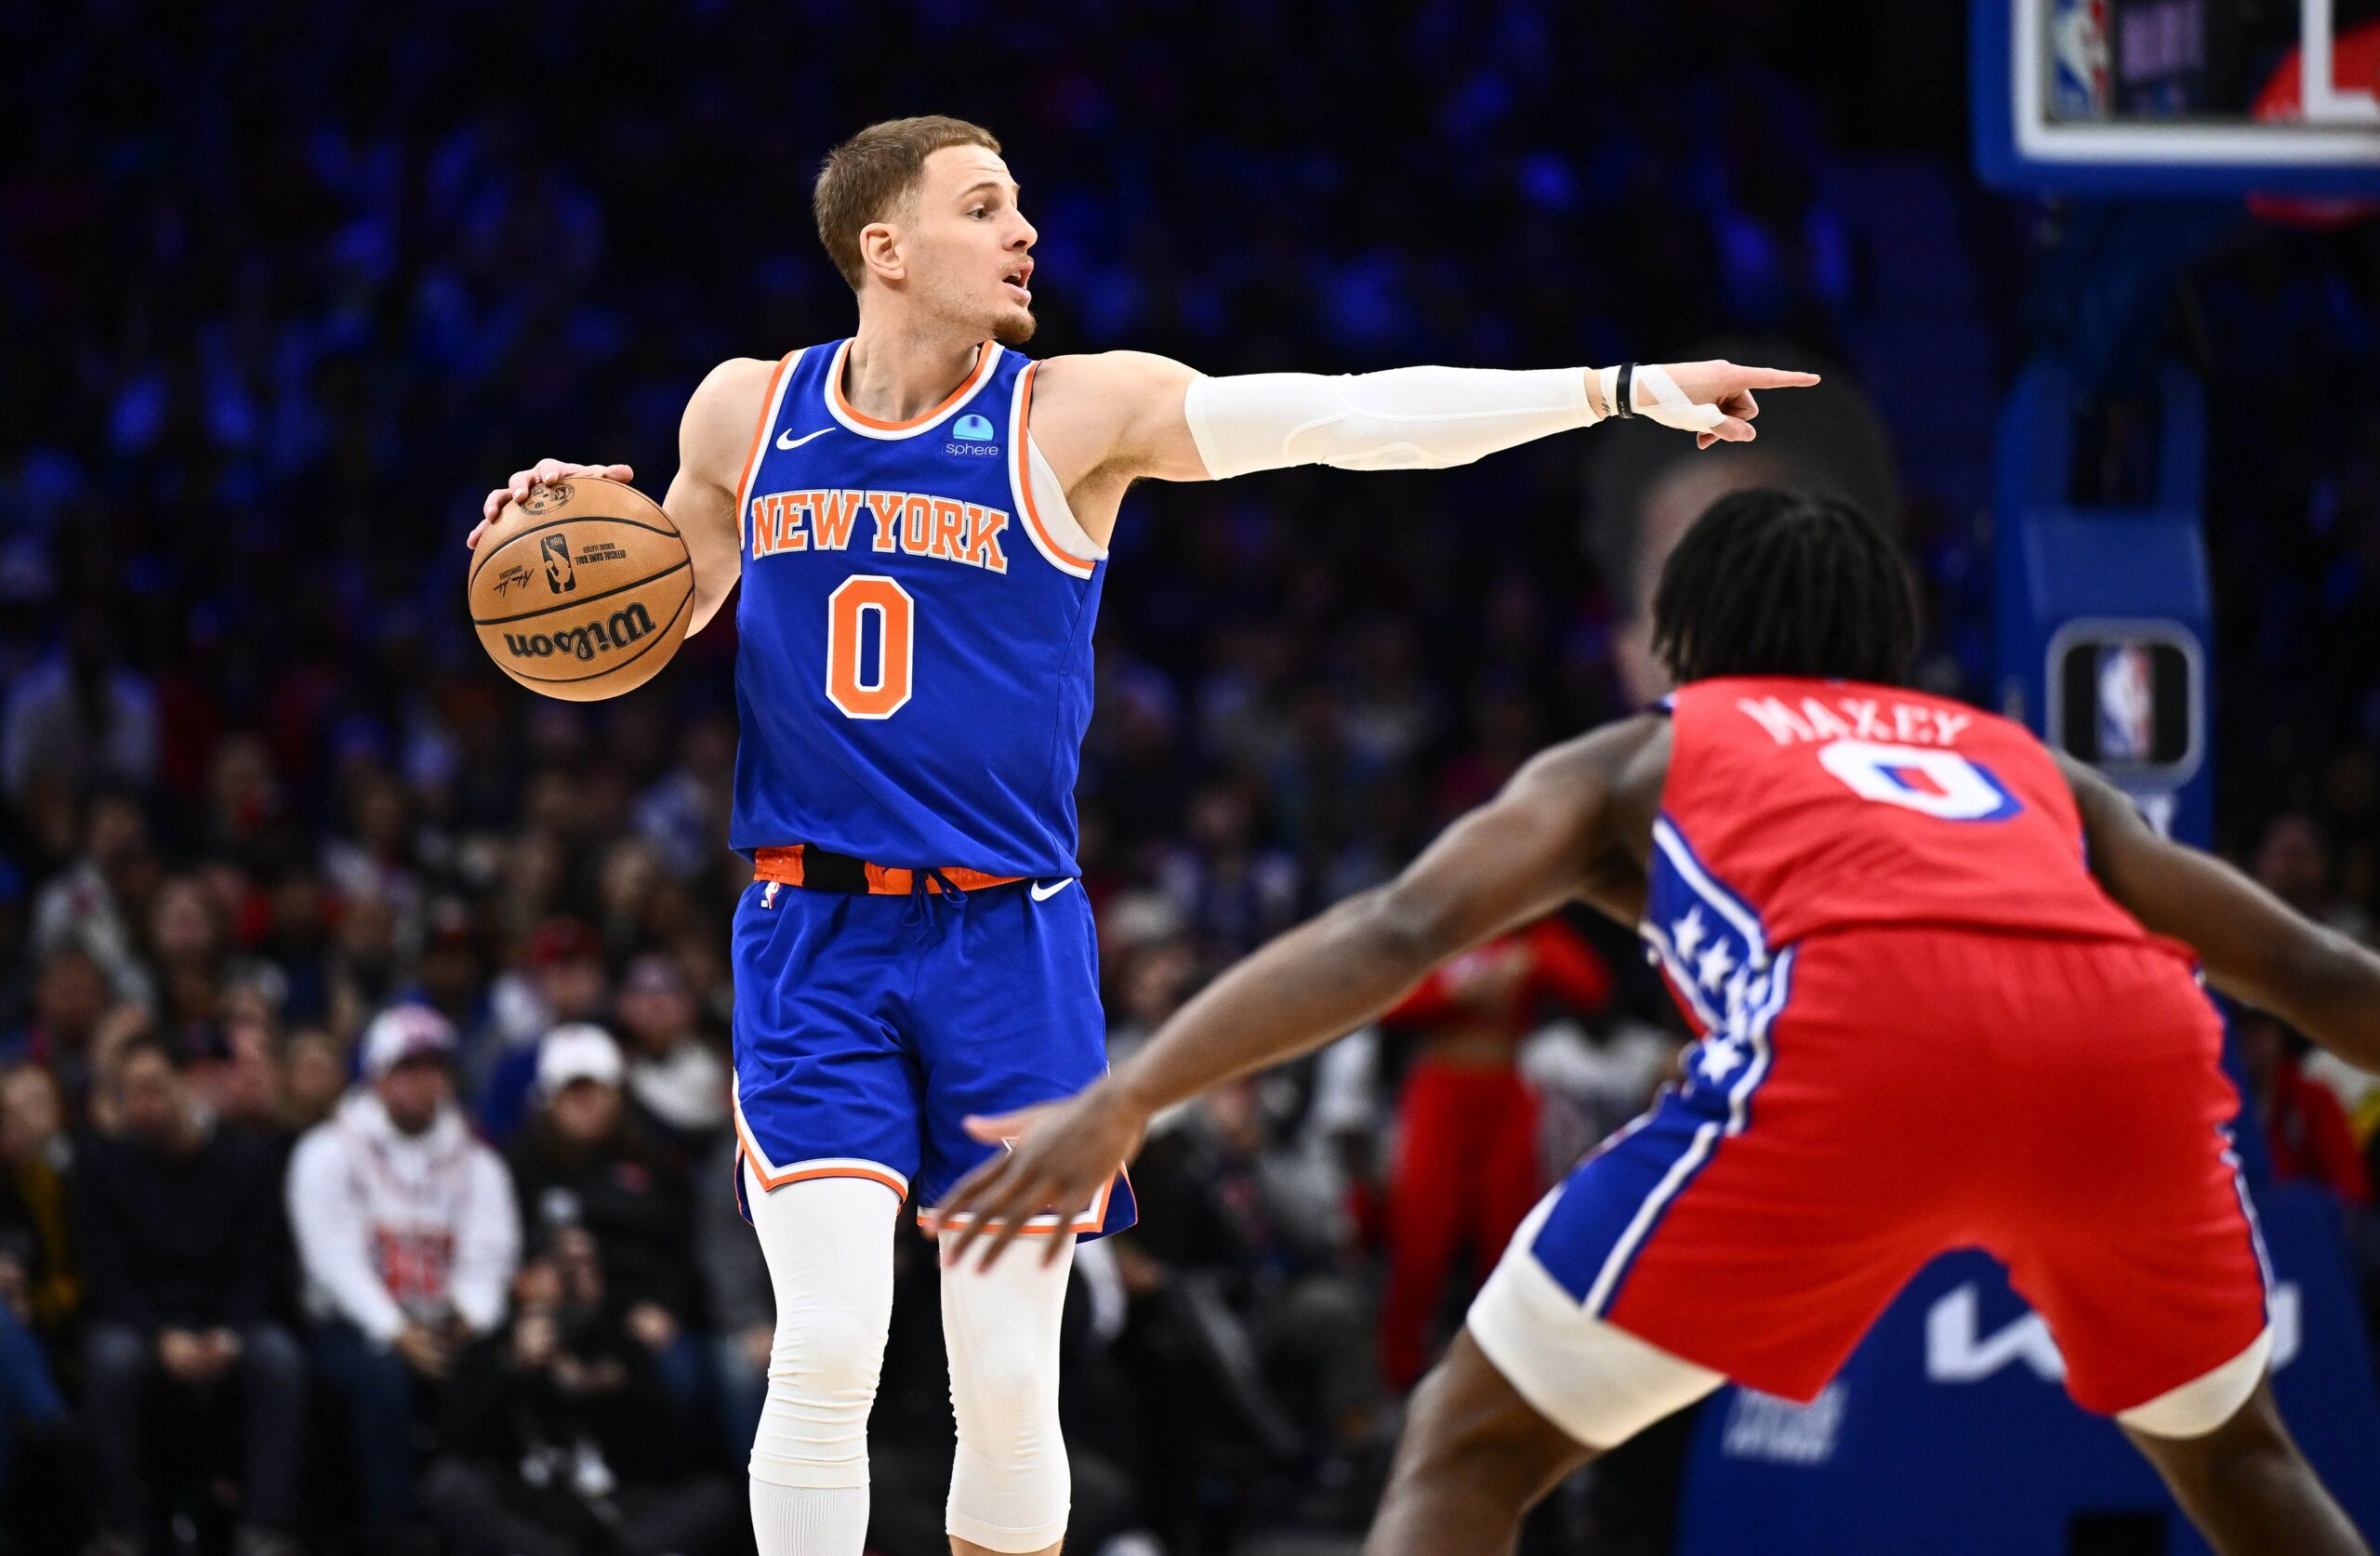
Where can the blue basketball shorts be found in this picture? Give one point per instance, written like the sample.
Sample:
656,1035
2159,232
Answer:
867,1029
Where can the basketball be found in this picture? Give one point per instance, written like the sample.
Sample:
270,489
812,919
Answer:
584,591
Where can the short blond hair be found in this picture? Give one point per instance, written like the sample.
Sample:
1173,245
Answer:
869,177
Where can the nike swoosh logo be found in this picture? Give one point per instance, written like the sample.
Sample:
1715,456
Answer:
1043,893
786,439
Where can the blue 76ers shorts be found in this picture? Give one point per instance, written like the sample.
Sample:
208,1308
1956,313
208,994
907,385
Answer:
869,1028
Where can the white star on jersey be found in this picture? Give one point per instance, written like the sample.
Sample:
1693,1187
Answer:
1715,965
1720,1056
1686,933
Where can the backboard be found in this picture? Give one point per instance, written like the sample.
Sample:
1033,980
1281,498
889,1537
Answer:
2208,97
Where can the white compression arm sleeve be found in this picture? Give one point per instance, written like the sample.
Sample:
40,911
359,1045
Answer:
1407,419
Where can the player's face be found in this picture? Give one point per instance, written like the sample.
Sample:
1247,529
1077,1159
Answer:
970,246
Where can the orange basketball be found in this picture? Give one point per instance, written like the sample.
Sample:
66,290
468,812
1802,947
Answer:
582,592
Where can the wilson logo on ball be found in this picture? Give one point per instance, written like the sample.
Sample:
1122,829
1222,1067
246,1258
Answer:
583,643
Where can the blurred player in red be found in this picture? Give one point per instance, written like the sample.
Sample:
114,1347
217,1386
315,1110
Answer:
1467,1169
2307,1131
1946,987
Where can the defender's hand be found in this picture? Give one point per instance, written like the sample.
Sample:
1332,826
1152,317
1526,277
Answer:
545,473
1060,1154
1726,388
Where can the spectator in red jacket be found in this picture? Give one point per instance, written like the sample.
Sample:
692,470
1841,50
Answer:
2306,1129
1466,1166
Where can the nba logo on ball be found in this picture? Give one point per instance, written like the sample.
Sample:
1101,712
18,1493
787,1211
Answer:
2128,703
561,577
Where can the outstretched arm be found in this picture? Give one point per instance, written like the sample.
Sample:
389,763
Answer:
1137,415
1535,847
2252,946
715,439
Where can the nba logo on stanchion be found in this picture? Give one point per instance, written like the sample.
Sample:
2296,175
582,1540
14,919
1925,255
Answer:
2128,703
2131,694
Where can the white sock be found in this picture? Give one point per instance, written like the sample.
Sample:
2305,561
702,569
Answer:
809,1520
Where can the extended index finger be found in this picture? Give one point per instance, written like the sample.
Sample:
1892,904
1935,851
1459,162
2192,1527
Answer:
1773,377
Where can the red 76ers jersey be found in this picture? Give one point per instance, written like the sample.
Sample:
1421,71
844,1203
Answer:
1796,807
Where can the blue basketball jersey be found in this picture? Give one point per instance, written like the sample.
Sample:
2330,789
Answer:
914,673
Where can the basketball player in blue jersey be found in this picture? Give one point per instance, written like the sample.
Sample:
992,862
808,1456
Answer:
919,517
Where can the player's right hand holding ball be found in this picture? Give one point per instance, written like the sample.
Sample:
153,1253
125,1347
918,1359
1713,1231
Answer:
580,587
543,473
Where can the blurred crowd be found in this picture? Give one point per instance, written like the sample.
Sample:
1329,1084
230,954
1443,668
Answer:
364,1150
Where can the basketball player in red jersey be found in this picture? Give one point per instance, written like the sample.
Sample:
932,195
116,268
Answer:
1466,1168
920,570
1940,1009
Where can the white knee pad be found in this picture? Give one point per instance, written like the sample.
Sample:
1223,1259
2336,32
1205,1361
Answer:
828,1242
2205,1402
1595,1380
1009,1489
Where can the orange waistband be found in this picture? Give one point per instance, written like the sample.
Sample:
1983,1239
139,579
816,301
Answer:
784,866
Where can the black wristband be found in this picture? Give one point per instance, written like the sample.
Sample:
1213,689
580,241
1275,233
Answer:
1623,404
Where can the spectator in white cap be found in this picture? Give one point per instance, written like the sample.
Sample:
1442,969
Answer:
584,1163
580,1051
408,1234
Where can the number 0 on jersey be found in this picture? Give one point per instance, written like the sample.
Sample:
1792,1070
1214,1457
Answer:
870,602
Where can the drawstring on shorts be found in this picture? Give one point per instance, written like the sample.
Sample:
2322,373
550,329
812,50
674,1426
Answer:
918,914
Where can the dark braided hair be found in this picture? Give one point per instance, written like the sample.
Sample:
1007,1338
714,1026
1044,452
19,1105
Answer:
1771,582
